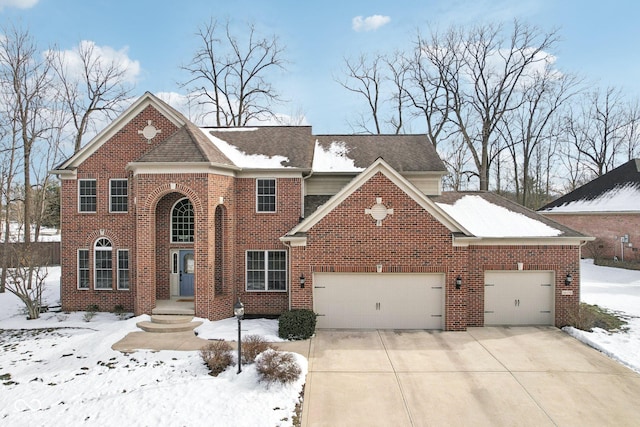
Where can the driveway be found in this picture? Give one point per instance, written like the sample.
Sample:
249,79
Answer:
527,376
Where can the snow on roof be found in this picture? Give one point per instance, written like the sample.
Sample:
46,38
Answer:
335,159
242,159
625,198
484,219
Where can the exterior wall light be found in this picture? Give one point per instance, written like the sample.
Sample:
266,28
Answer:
568,279
302,280
238,311
458,282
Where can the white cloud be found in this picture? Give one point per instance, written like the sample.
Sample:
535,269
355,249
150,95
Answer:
20,4
370,23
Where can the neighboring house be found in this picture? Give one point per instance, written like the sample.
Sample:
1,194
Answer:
607,208
354,227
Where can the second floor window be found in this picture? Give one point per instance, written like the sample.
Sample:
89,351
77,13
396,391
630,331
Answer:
119,195
87,195
266,195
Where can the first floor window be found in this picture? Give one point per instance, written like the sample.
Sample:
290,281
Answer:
103,264
266,270
83,269
123,269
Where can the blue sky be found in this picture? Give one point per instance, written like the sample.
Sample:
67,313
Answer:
599,39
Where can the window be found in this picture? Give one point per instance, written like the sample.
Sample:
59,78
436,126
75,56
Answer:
182,222
266,271
266,195
87,195
118,194
83,269
123,269
104,264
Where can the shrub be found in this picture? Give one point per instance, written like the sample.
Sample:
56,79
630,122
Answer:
590,316
118,310
217,356
276,366
91,312
252,346
297,324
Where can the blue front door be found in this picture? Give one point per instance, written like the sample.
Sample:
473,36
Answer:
187,268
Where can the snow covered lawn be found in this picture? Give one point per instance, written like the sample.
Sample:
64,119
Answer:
619,291
60,370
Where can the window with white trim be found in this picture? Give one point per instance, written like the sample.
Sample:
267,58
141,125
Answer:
118,195
182,221
103,264
266,270
87,195
123,269
266,195
83,268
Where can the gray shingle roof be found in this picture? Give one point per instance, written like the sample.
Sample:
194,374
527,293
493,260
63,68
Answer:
404,153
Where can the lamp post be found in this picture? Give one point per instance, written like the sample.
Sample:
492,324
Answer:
238,311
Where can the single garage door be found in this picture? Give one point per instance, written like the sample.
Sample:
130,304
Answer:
519,298
378,300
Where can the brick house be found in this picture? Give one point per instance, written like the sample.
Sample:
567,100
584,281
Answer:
354,227
607,208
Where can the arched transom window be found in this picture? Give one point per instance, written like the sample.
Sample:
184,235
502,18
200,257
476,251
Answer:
182,221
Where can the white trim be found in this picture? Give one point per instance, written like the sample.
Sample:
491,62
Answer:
78,269
464,241
158,168
118,269
275,203
111,195
271,173
561,213
96,196
266,270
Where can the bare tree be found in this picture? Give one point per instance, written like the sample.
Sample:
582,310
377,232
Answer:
482,78
89,85
25,80
230,75
26,281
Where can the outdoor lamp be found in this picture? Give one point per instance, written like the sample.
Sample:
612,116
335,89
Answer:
302,280
458,282
568,279
238,310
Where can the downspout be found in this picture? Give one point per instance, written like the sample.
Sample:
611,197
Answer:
288,245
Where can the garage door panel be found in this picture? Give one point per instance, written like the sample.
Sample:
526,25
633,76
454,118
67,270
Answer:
519,298
379,300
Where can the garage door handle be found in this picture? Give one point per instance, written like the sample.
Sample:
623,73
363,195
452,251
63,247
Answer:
319,287
516,303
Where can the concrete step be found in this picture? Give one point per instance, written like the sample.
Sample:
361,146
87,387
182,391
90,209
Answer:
167,327
173,311
170,318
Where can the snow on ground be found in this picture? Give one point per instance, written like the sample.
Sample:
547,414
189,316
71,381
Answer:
484,219
619,291
16,232
61,370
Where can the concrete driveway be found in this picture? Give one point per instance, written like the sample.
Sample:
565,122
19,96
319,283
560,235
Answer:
524,376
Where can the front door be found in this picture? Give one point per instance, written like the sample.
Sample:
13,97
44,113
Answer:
187,268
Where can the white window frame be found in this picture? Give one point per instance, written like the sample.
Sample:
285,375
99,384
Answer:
266,271
171,240
88,269
128,270
94,196
275,195
111,195
96,250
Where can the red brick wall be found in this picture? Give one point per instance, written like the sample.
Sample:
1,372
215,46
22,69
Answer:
608,228
411,240
80,230
261,231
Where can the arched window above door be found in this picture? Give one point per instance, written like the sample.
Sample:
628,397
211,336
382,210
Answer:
182,222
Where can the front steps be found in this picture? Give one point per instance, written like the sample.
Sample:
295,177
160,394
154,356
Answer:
163,323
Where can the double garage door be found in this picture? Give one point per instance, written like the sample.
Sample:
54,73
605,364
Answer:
519,298
379,301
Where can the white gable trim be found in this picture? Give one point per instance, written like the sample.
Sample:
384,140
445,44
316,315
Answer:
134,109
383,167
